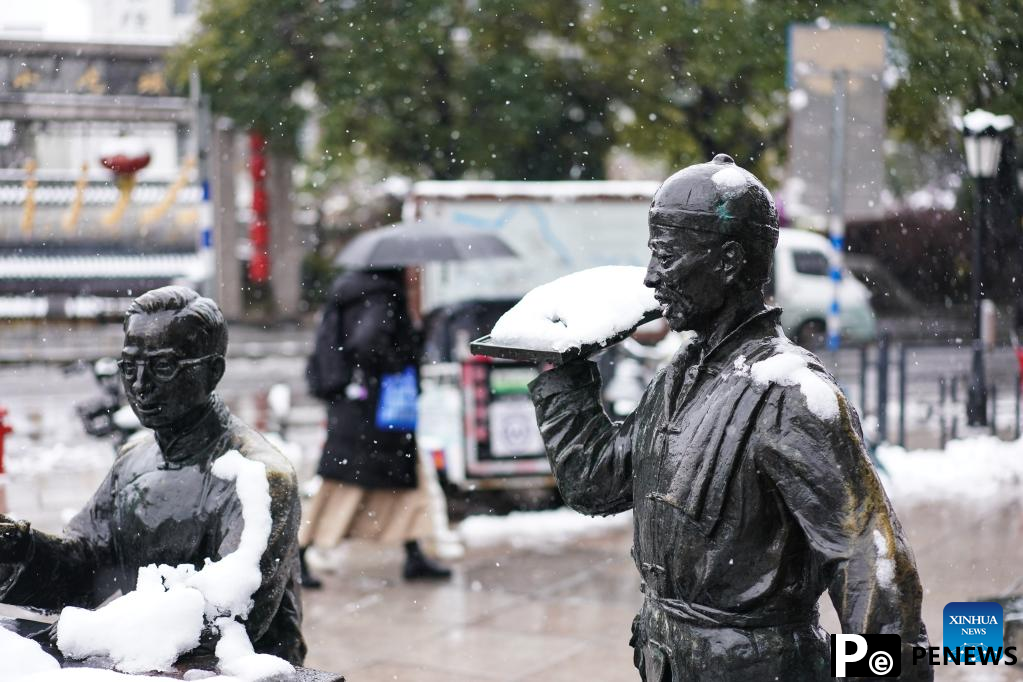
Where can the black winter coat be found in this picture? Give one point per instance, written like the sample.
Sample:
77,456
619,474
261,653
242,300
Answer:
376,337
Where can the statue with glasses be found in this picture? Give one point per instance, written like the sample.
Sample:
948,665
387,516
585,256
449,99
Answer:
160,502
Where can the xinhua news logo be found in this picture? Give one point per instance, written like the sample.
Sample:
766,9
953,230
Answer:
866,655
974,627
972,634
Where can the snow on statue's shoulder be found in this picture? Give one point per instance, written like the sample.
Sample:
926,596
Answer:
589,306
790,369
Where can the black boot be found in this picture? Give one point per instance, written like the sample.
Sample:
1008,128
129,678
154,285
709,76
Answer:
418,566
308,580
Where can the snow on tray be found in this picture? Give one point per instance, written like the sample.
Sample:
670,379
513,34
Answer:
150,627
585,307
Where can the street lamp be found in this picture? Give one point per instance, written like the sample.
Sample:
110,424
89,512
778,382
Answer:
982,138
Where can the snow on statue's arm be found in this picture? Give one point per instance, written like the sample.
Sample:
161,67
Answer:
590,455
275,566
811,447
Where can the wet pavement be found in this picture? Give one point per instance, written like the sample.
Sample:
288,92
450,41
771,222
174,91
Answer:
509,614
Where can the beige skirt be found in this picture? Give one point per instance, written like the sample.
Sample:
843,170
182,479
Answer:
344,510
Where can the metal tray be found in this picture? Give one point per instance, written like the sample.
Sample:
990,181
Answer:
483,346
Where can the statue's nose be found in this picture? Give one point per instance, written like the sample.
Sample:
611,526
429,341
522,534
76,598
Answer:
653,276
139,382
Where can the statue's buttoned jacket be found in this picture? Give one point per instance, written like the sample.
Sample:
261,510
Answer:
752,494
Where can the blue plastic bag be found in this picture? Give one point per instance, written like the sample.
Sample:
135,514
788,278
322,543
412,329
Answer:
396,410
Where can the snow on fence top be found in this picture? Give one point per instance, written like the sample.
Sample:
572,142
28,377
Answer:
564,190
589,306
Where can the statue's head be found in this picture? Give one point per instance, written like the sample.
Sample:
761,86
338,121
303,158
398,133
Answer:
713,229
173,355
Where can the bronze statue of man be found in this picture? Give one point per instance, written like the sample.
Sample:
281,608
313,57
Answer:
160,502
744,464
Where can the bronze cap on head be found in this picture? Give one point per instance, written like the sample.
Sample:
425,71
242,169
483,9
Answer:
718,197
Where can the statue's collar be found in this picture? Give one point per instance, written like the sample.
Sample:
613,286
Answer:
198,441
767,317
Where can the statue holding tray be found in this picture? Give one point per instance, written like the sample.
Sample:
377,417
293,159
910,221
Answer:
743,463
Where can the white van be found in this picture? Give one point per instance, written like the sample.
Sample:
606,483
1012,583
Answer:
801,284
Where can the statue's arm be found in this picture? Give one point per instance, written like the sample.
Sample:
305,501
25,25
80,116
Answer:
591,456
821,468
53,571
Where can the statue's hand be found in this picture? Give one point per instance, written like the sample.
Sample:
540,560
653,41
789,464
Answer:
15,540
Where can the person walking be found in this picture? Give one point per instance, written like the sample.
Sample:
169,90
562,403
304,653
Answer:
365,367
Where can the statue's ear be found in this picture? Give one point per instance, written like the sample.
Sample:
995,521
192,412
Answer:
733,258
217,366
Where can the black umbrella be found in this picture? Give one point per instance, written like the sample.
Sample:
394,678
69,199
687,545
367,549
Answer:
420,242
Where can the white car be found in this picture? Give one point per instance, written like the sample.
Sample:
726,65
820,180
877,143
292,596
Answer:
801,284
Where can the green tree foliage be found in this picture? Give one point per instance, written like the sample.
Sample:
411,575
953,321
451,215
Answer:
432,88
524,89
252,55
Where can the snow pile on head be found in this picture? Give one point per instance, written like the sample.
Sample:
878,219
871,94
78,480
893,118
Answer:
585,307
981,470
729,178
21,657
529,529
149,628
789,369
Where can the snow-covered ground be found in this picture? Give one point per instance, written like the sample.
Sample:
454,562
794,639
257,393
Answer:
980,470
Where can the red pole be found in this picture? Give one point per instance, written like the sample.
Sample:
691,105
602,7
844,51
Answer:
259,230
4,430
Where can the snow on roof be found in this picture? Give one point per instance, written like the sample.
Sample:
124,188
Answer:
791,236
80,267
561,190
979,120
61,195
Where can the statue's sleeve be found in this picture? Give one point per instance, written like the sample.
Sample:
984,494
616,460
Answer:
277,565
73,569
590,455
821,468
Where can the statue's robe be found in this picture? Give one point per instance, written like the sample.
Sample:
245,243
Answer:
747,506
162,504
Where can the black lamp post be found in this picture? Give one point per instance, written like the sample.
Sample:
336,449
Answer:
983,142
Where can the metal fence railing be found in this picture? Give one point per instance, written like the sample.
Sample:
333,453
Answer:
914,394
